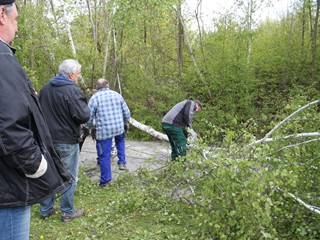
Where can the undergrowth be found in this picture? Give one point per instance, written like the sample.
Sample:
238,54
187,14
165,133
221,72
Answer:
234,191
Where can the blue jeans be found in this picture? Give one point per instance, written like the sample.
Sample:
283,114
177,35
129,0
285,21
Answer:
104,155
15,223
121,148
69,154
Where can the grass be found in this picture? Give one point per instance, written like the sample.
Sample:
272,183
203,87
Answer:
106,217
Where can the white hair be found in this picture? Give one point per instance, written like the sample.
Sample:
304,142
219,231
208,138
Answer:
69,66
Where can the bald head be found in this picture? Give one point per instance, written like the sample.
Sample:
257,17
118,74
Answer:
102,83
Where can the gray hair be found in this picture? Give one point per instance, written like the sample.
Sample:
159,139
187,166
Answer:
9,8
102,83
69,66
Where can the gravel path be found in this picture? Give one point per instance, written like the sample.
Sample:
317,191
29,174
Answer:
137,155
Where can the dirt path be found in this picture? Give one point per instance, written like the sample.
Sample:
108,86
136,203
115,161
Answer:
137,155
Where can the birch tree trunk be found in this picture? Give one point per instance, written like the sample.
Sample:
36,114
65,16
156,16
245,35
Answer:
194,59
73,48
200,31
55,17
148,130
116,60
94,35
249,42
314,42
180,40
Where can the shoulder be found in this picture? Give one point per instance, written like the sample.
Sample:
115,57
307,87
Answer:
5,49
74,90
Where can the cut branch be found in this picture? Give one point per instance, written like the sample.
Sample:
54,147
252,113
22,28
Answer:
309,207
298,144
148,130
283,121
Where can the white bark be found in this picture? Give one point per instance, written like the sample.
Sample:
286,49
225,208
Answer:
282,122
105,62
73,48
298,144
299,135
148,130
116,59
309,207
94,35
193,56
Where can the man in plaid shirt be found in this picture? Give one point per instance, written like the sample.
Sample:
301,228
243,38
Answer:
111,115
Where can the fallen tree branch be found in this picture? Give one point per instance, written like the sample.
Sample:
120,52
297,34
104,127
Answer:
298,144
311,134
283,121
309,207
149,130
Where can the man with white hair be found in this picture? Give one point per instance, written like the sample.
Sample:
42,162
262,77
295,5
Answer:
65,108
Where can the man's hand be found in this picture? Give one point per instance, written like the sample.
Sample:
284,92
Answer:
94,134
126,128
84,132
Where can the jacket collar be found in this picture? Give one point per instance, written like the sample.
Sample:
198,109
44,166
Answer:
13,50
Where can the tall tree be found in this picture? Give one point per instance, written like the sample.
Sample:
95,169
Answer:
314,41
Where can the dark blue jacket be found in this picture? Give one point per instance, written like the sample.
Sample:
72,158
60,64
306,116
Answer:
24,138
65,109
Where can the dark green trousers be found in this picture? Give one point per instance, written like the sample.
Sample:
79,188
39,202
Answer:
177,139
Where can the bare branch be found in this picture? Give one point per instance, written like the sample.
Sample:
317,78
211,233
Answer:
283,121
298,144
309,207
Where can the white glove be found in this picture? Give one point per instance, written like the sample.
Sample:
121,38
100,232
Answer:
41,170
193,136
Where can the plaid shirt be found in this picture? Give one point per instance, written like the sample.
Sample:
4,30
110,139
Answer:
110,113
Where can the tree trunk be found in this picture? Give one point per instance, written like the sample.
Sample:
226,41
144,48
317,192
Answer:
194,59
180,40
314,43
200,32
148,130
55,17
116,61
94,35
303,23
249,42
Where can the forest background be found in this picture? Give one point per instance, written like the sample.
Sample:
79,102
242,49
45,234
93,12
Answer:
249,73
241,69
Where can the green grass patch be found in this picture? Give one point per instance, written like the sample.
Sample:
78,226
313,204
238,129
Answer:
107,217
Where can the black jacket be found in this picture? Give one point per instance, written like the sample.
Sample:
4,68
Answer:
65,108
24,138
181,114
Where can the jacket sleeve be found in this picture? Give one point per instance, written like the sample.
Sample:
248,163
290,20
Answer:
188,113
18,147
79,110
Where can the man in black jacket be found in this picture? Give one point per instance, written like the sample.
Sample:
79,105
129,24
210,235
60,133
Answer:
30,170
65,109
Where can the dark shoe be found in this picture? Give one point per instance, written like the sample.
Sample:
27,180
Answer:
67,217
52,212
122,166
104,185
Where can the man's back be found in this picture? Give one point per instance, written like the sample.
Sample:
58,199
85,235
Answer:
65,108
110,113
